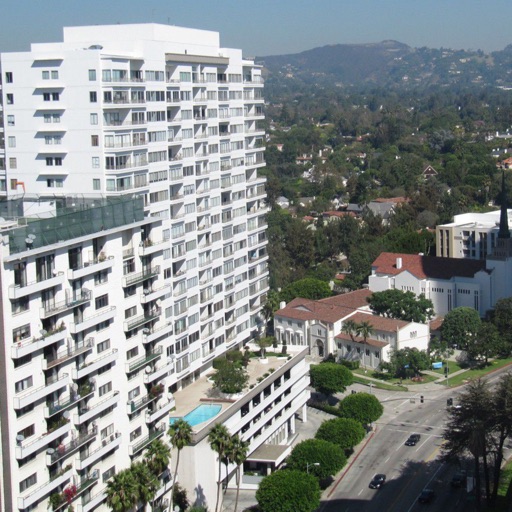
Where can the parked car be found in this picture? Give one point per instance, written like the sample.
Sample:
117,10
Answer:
459,479
426,496
413,440
377,481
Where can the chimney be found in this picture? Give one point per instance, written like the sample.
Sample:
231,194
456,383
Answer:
282,304
399,263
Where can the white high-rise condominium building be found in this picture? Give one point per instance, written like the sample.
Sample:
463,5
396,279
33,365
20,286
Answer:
104,318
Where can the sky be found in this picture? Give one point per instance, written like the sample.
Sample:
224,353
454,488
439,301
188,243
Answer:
273,27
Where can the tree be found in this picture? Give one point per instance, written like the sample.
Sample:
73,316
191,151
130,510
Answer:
229,377
180,435
394,303
350,327
288,491
157,457
330,458
460,325
237,454
270,306
362,407
330,378
365,330
502,319
487,343
147,483
439,349
407,362
122,491
307,288
219,439
344,432
264,343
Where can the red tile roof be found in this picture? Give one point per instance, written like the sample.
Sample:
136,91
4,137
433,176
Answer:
359,339
424,267
380,323
354,300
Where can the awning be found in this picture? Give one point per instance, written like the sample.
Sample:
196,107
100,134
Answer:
273,453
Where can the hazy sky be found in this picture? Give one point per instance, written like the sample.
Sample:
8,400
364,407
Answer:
266,27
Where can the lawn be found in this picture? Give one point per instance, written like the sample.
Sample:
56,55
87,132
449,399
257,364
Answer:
386,377
505,479
476,372
378,385
453,367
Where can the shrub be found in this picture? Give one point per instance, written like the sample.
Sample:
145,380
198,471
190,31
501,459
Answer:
351,365
362,407
344,432
330,378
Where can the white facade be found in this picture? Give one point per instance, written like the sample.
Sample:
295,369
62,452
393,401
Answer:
166,114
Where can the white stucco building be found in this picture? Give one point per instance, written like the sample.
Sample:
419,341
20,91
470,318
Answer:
318,326
167,122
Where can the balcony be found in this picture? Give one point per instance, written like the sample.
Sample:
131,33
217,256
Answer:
150,246
24,449
44,490
155,333
96,265
87,413
131,279
152,416
68,353
29,345
85,483
137,405
153,355
68,402
16,291
63,450
33,395
141,320
150,294
70,302
157,373
108,444
95,365
89,322
135,448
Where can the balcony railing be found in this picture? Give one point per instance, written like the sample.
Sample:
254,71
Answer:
63,450
142,361
64,403
147,440
140,320
68,353
136,405
139,277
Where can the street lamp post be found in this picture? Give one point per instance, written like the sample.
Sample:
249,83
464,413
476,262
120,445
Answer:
311,464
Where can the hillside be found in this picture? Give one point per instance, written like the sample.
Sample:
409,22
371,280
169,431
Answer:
390,63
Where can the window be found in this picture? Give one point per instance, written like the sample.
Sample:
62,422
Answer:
93,97
92,75
101,347
130,354
134,393
103,390
96,165
10,120
24,384
28,482
94,119
13,164
8,77
46,75
101,277
135,434
19,306
101,302
54,183
96,185
27,431
95,140
11,141
128,313
21,333
10,99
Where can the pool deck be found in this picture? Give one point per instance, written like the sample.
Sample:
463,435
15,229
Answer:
202,392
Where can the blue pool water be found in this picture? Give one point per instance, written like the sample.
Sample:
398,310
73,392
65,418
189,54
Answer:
200,414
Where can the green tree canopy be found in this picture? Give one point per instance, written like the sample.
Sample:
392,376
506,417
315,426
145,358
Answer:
487,343
407,362
502,319
406,306
460,325
288,491
330,457
229,377
362,407
307,288
344,432
330,378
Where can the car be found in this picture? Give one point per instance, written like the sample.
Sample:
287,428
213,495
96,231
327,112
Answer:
426,496
459,479
377,481
413,440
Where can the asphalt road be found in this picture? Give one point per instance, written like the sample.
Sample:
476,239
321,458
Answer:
409,469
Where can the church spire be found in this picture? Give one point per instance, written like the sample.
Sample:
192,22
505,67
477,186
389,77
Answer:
504,231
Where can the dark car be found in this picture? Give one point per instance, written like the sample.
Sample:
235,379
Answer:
426,496
377,481
459,479
413,440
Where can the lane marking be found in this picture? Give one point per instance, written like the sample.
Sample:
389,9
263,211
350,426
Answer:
426,485
421,445
360,492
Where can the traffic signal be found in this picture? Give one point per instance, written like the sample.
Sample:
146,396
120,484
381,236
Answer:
446,370
449,402
421,398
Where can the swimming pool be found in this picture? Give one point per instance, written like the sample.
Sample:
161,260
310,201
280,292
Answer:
200,414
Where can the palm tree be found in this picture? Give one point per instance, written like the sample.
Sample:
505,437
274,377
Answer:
122,491
237,453
147,483
157,457
219,439
180,435
349,327
365,330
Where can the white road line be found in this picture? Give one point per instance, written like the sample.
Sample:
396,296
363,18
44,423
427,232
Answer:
421,445
426,485
360,492
387,460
